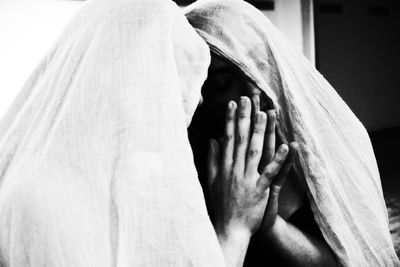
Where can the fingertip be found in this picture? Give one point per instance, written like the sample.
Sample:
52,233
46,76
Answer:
244,100
231,105
245,106
261,117
271,115
294,146
283,148
271,121
294,149
255,98
231,108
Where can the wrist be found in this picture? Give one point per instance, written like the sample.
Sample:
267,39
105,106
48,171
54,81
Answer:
234,243
233,233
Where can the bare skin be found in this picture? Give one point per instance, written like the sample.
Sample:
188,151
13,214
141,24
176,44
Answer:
239,193
246,201
246,175
221,75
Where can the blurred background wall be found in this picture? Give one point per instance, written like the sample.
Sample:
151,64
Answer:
358,46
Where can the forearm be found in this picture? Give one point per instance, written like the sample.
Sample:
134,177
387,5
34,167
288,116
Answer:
298,247
234,246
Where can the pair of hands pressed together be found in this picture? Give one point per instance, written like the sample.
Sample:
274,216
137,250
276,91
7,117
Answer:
243,200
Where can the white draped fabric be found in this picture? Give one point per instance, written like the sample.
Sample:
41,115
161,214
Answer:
95,164
336,161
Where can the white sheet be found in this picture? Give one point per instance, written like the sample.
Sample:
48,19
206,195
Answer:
95,164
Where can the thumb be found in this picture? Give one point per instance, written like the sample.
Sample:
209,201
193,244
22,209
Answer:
275,188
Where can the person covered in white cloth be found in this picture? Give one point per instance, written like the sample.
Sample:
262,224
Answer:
330,210
241,188
96,169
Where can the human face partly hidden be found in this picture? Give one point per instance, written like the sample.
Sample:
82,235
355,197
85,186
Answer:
225,82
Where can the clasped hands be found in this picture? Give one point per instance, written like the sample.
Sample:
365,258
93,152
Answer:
245,173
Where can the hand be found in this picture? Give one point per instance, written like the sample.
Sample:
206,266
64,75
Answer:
271,212
239,194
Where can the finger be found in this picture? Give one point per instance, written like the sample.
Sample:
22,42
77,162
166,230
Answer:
275,188
254,93
256,144
229,139
269,140
212,162
280,179
242,135
255,100
273,168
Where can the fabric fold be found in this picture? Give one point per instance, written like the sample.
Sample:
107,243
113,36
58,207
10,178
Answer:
336,163
95,166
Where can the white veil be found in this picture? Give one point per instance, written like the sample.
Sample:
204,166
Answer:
336,164
95,164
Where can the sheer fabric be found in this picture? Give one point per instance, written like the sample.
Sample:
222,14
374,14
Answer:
336,163
95,164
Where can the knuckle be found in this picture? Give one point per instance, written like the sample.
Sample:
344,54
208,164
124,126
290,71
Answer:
270,129
236,177
242,138
258,128
228,136
225,172
275,189
253,153
260,118
269,172
228,162
242,114
259,194
280,160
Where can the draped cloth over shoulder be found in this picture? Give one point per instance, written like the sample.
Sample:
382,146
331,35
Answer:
336,160
95,165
